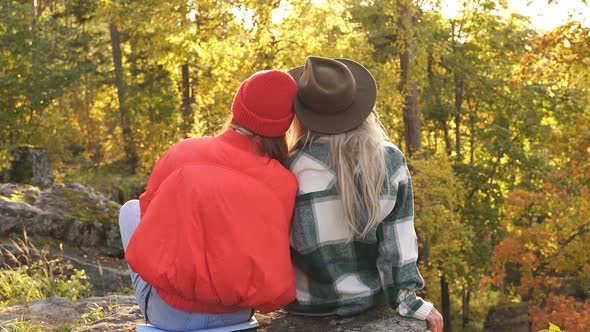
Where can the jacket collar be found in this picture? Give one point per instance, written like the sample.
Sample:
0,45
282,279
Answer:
240,141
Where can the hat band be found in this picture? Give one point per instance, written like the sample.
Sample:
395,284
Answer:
323,109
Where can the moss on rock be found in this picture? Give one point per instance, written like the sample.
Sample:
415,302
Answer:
79,202
72,213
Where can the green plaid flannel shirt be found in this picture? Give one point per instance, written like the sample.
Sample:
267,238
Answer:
337,276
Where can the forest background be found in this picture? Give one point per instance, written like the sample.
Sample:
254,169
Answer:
492,112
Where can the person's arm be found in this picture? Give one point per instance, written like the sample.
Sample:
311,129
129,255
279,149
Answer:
398,247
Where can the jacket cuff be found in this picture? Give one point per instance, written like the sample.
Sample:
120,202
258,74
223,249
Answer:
423,311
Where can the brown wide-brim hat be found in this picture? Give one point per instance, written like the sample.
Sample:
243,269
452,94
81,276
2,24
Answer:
333,95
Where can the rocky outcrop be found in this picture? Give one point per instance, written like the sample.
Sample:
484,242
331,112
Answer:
72,213
381,319
119,319
58,311
122,314
511,317
30,165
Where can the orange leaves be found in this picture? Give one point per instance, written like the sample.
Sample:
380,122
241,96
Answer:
520,203
544,257
567,312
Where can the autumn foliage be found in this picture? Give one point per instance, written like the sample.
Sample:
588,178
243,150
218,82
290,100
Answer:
496,114
544,257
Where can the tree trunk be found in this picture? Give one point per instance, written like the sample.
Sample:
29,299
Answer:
37,10
466,298
124,121
437,105
446,304
408,85
86,113
472,120
424,253
447,139
187,112
458,106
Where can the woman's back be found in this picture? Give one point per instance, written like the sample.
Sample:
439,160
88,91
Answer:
215,216
207,207
337,271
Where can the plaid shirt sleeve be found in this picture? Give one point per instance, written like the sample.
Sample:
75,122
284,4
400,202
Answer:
398,247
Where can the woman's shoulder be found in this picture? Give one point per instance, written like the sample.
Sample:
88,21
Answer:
179,154
314,154
392,151
189,144
190,149
286,178
394,157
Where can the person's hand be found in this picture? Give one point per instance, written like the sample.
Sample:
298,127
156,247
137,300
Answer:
435,320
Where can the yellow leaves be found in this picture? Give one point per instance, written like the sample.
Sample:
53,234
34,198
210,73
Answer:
437,195
553,328
552,245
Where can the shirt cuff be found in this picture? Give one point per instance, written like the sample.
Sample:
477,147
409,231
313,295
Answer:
423,311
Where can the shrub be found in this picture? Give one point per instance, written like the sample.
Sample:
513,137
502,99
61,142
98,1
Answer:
95,313
20,325
29,275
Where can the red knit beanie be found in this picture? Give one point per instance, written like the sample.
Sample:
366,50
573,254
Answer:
264,103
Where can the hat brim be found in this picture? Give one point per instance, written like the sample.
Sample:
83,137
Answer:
348,119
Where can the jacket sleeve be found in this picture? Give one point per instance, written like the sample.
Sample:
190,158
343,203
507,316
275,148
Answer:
398,246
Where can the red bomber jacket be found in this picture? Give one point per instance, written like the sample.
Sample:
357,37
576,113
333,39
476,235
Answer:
214,230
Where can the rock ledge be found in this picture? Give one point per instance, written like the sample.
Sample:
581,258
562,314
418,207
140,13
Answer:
123,314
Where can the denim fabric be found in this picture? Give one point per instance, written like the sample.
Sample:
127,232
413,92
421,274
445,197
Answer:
159,313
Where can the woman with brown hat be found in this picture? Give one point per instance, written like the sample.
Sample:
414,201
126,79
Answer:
208,240
352,233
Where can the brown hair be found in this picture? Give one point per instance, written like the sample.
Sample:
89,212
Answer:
274,147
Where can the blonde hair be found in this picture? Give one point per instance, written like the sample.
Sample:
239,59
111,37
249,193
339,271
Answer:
358,156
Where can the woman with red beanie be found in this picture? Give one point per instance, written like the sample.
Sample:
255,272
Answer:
208,241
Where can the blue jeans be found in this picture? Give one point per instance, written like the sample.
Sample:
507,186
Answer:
157,312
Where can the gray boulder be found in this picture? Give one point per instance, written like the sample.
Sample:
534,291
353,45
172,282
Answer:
379,319
57,311
71,213
30,165
14,215
119,319
510,317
